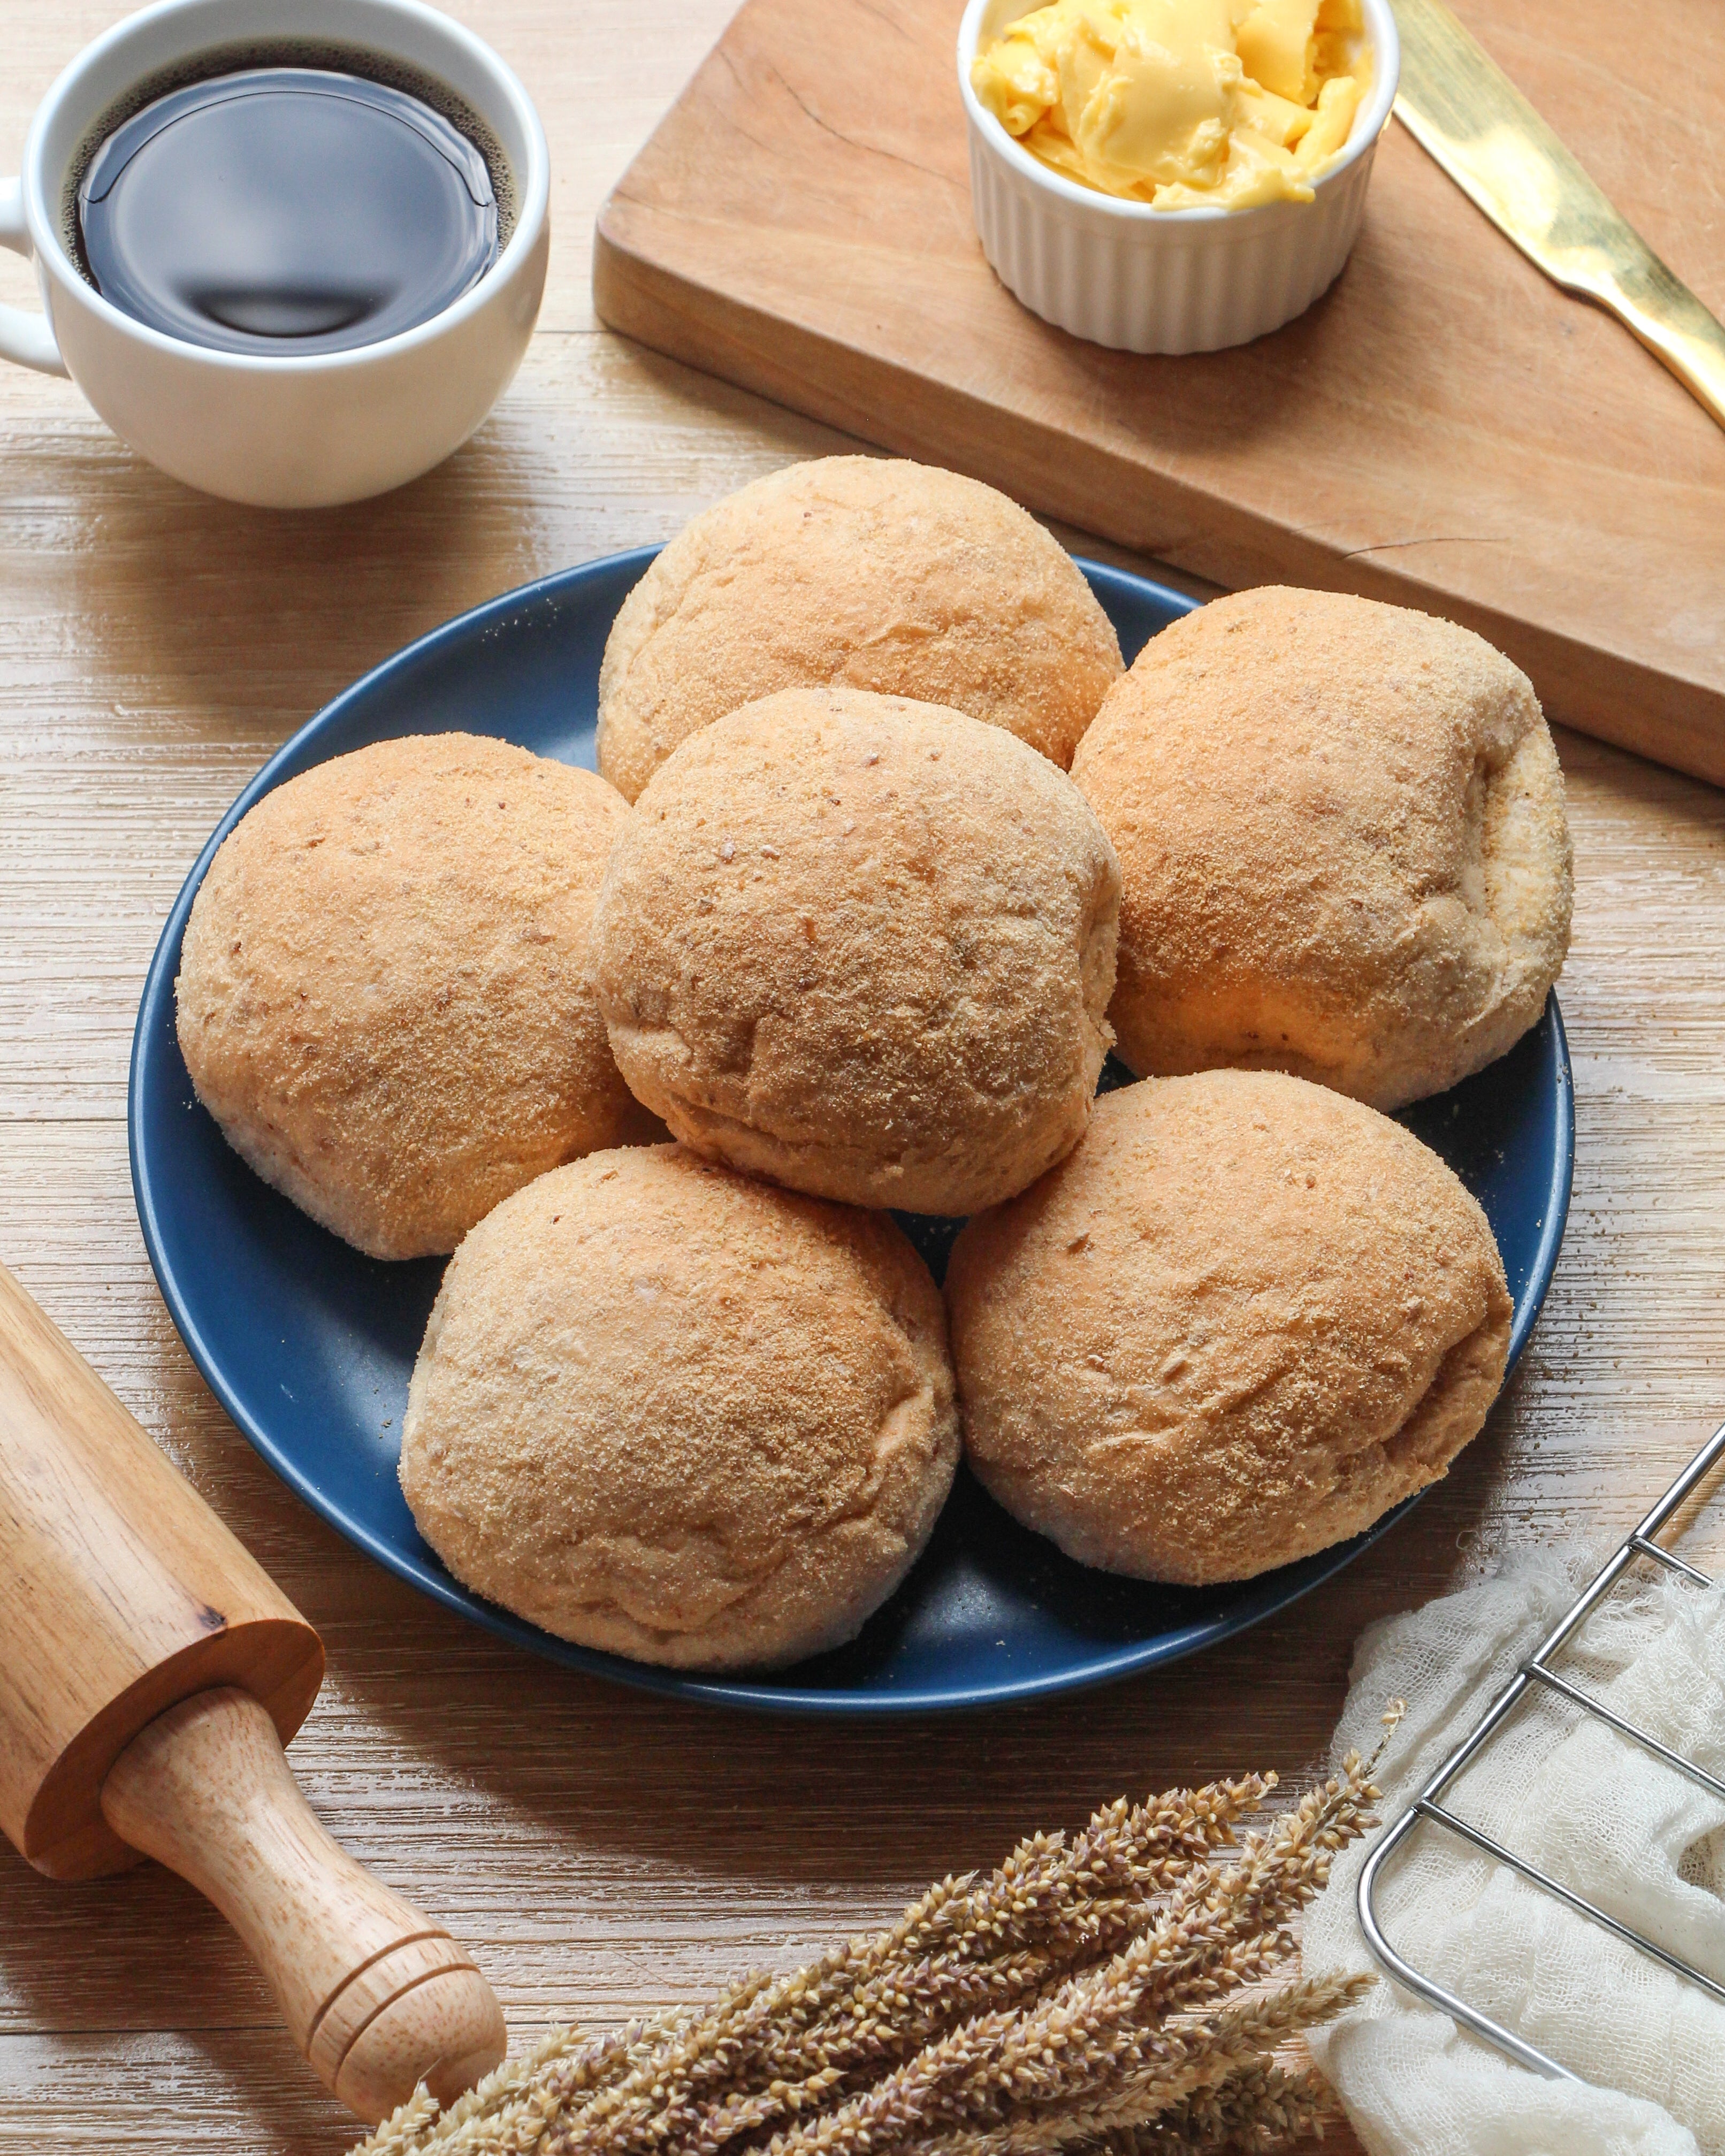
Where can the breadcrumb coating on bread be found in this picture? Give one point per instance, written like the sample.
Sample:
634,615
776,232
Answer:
863,947
383,996
1342,833
864,573
1241,1321
670,1412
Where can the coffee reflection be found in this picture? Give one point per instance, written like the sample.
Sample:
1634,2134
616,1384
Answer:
279,211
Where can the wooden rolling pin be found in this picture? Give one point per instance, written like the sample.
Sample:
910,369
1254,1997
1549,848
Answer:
150,1674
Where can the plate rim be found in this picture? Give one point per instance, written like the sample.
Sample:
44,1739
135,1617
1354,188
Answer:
1106,1668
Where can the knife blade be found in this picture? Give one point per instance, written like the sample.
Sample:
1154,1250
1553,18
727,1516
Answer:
1462,108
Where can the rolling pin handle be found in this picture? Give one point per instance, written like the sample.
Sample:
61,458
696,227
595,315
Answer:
378,1999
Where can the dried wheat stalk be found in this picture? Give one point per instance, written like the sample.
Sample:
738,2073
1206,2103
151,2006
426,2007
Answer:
1074,1998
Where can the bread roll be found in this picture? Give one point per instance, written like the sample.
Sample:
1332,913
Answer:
864,572
670,1412
1243,1319
863,946
1342,834
382,997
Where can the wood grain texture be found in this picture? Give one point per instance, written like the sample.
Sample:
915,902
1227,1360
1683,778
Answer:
1444,429
120,1594
600,1852
376,1996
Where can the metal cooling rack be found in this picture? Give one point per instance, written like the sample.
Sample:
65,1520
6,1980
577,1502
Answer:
1536,1673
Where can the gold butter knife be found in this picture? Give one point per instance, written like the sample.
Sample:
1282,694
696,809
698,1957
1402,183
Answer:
1460,105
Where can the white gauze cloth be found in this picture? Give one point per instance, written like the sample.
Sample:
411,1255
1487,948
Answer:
1590,1808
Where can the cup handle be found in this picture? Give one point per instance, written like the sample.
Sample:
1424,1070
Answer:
24,338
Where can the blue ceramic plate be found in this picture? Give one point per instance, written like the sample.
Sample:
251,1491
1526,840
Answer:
309,1346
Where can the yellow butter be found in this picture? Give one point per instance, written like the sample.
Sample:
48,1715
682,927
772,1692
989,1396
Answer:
1180,103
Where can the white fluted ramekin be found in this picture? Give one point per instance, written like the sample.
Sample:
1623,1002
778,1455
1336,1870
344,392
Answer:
1143,279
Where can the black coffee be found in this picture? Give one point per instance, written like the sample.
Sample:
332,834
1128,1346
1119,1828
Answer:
282,210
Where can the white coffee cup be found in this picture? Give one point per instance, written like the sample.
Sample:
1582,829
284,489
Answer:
293,433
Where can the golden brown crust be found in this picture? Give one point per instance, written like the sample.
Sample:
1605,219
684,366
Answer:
863,946
669,1412
383,998
865,572
1342,833
1243,1319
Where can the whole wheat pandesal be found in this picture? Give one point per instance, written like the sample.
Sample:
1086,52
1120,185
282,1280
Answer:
382,997
864,573
668,1411
1342,833
1244,1319
863,946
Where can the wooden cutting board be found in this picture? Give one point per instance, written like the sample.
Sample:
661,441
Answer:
1444,429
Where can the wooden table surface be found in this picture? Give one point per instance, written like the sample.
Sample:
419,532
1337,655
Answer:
601,1851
